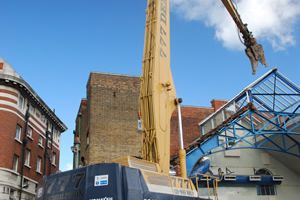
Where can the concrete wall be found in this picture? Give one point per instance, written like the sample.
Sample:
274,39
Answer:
245,165
10,189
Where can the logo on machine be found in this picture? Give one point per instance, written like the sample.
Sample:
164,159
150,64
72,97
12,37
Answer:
104,198
101,180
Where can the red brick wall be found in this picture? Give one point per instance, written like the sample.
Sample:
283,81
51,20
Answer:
216,104
10,117
191,116
9,145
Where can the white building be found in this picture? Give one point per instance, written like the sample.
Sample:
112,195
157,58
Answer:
253,143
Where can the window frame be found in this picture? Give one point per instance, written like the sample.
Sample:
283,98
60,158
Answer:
21,102
31,109
266,190
53,160
39,165
19,131
27,158
31,132
15,164
49,143
41,141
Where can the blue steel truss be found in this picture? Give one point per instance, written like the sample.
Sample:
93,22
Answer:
265,115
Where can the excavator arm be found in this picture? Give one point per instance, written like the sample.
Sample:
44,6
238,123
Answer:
157,92
253,50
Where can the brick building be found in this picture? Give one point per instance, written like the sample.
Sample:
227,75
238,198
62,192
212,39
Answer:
191,116
106,123
28,150
107,119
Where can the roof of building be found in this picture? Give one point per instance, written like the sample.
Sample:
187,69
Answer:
8,76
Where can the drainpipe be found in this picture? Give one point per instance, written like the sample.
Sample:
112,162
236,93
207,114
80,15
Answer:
76,147
76,151
46,149
51,147
73,150
24,143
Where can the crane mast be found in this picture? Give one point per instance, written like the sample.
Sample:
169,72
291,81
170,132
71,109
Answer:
157,92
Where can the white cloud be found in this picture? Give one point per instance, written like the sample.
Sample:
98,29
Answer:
272,20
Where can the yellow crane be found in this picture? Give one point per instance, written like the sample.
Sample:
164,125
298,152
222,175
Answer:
131,178
157,94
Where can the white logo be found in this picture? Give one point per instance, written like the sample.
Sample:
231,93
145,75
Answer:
101,180
105,198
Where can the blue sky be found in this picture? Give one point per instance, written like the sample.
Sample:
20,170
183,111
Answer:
54,45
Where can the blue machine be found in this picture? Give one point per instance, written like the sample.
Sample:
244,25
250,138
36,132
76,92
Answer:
105,182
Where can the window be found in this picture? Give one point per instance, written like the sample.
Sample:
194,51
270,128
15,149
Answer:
25,183
21,102
5,190
53,158
49,127
12,193
31,108
54,135
15,163
38,164
29,132
18,132
27,158
43,119
49,143
265,190
37,113
40,142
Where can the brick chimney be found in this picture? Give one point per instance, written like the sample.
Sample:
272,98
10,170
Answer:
216,104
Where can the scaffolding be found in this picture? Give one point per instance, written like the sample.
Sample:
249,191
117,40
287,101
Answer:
265,115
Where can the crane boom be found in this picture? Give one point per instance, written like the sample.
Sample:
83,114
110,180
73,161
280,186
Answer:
157,92
237,19
253,50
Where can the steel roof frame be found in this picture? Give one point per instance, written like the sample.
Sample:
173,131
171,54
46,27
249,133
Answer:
271,123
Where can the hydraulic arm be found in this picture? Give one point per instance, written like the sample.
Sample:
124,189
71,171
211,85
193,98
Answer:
157,93
253,50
